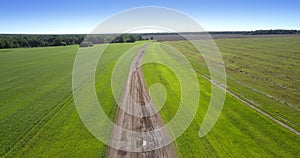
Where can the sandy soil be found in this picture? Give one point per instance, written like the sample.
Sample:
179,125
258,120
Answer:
138,113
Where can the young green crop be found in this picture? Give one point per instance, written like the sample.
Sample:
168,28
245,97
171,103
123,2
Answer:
38,115
264,71
239,132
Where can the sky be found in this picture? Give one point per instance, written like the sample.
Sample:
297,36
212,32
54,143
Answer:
78,16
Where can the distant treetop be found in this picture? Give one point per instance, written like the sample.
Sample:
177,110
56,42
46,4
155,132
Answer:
265,32
28,40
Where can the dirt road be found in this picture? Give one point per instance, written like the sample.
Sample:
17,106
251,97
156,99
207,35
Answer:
137,113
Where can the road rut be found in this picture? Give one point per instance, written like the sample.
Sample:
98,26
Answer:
137,113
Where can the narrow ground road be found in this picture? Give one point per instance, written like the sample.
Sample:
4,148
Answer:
137,113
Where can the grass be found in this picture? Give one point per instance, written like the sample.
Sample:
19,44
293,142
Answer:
239,132
38,117
34,87
264,71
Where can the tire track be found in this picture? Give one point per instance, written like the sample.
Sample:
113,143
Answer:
137,113
252,106
34,130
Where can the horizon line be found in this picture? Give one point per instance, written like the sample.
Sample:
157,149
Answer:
25,33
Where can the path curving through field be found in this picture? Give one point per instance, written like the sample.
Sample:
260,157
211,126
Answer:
137,113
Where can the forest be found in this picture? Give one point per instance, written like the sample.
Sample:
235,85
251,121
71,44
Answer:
31,40
27,41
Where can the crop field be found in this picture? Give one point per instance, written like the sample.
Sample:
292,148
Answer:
239,132
38,117
264,71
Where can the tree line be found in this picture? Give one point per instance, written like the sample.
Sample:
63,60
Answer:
266,32
256,32
22,40
25,40
17,41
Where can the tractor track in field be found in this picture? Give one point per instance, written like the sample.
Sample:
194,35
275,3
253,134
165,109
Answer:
41,123
247,103
137,113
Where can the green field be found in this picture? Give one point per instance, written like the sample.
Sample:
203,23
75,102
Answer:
264,71
239,132
38,117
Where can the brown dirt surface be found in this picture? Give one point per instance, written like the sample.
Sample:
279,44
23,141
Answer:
137,113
